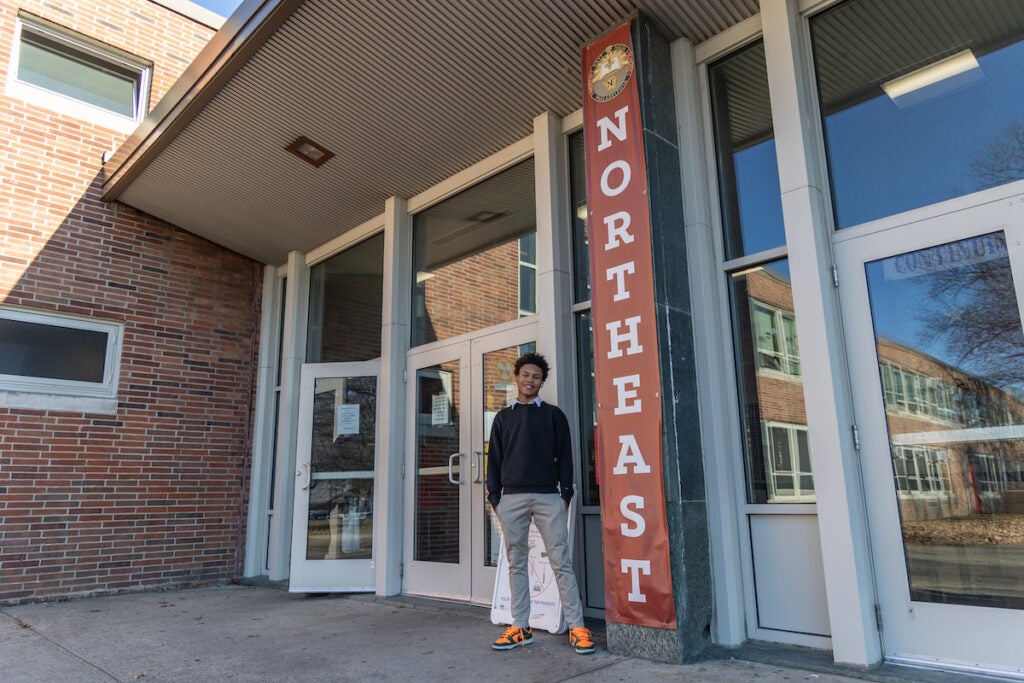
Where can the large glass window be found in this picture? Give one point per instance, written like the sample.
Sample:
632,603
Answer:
774,420
345,305
70,65
778,461
474,257
580,233
748,174
585,388
949,346
921,101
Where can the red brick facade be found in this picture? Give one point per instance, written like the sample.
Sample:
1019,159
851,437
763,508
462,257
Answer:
153,495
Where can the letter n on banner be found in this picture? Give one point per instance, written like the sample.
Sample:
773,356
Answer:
637,573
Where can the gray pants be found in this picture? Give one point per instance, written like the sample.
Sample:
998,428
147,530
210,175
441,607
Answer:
547,510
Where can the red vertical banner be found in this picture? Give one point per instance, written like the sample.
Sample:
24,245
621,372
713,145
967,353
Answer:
638,578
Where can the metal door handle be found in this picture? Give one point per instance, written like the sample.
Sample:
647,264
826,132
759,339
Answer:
451,472
478,465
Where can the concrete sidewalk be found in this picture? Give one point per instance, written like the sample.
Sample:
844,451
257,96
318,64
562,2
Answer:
246,633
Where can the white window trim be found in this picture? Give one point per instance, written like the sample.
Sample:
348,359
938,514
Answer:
935,460
70,106
788,354
808,496
44,393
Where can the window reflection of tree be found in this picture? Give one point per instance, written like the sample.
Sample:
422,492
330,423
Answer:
972,310
1001,160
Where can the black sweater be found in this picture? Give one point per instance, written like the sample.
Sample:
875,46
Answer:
529,452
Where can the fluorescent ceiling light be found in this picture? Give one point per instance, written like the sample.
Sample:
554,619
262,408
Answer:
942,70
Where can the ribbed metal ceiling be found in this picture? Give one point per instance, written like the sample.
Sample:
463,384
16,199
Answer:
882,47
405,95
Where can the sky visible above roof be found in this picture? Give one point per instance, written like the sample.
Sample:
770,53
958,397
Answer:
222,7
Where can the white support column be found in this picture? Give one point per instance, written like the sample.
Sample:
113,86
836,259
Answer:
260,473
391,392
554,261
293,354
711,348
842,521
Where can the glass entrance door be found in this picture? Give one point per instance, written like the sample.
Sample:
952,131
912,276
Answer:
332,533
933,322
455,390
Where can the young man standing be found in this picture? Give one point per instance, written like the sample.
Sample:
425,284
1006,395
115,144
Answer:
529,477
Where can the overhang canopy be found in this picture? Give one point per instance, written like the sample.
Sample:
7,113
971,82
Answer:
405,94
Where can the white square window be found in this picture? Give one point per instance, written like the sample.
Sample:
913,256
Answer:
56,362
73,74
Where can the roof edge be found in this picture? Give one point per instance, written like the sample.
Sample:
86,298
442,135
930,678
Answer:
241,36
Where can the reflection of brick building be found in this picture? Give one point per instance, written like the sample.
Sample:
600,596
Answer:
352,330
472,293
979,469
779,459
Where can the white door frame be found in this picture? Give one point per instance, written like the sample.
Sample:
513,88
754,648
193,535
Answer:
323,575
470,579
915,632
448,580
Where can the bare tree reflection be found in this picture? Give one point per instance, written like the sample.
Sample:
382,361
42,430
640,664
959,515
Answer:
971,309
1001,160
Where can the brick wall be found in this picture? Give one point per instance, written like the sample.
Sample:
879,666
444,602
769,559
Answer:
472,293
154,494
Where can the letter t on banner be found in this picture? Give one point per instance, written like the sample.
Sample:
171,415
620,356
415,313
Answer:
637,572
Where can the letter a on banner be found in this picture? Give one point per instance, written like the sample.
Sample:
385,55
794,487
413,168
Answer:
637,572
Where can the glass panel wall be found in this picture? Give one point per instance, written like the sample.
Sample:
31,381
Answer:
772,411
474,257
345,305
437,536
921,101
771,389
580,232
340,515
748,175
591,494
949,347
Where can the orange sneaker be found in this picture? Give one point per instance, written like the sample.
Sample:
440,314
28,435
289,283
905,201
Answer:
582,641
513,637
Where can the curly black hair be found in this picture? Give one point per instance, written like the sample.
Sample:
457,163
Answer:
533,359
